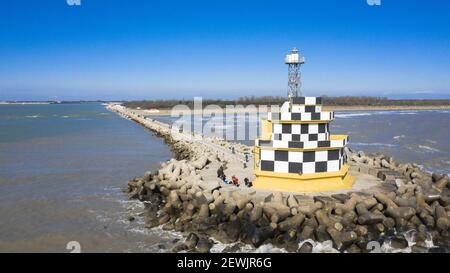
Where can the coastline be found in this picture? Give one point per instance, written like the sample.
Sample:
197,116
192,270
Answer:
187,197
24,103
167,112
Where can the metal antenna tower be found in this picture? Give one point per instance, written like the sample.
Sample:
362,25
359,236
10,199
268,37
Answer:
294,60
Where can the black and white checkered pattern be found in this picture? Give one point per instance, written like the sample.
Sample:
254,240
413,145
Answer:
340,143
307,100
297,147
290,116
306,109
300,132
301,162
302,109
304,129
301,137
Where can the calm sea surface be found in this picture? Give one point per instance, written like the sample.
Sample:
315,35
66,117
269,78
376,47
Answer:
62,168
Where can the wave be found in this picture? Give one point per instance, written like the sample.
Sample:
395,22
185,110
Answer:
409,236
372,113
353,115
34,116
428,149
399,137
373,144
71,116
219,247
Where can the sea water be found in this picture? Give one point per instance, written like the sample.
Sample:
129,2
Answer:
62,168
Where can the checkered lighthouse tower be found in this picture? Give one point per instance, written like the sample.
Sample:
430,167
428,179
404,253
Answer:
296,152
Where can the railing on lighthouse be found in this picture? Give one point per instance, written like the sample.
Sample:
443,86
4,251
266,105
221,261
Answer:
294,60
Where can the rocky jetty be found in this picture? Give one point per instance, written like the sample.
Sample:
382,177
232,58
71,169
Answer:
181,197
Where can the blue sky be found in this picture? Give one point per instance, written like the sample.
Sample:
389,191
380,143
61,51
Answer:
181,49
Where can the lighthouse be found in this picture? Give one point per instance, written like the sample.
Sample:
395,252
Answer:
294,60
296,151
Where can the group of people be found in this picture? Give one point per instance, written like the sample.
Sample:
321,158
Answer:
233,151
233,181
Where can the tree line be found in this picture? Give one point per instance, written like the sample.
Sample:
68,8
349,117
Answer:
276,100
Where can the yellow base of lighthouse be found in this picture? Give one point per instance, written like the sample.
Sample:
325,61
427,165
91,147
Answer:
319,182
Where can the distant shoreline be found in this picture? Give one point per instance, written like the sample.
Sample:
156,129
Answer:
167,112
23,103
54,102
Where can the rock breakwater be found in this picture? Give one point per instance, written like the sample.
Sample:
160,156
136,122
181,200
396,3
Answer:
185,195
